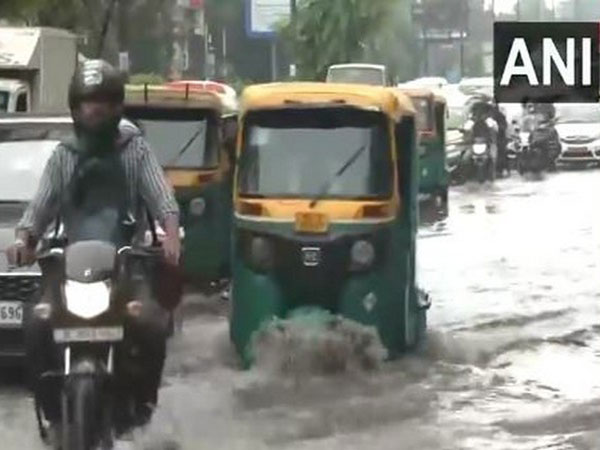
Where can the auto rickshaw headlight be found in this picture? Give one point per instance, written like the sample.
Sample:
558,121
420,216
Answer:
261,253
197,206
362,254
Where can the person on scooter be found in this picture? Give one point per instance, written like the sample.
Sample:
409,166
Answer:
105,153
481,124
545,135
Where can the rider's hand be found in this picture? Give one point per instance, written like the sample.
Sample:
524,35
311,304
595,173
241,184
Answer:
172,248
171,244
20,254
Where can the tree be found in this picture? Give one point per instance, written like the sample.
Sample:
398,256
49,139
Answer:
340,31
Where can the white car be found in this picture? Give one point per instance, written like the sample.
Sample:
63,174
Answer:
434,83
578,127
477,85
373,74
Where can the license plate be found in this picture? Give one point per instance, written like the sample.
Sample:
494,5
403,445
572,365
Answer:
311,222
99,334
11,314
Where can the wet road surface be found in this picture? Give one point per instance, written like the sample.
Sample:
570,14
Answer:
512,362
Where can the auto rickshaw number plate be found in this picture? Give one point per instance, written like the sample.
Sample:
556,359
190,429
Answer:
311,222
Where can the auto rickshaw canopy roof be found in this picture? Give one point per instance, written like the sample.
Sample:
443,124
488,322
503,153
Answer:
391,102
161,96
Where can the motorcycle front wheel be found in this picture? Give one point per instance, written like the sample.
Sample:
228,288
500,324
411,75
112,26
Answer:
82,417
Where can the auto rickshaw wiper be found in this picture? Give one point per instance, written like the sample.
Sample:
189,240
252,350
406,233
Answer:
186,147
327,186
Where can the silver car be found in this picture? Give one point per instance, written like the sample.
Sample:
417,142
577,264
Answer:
578,126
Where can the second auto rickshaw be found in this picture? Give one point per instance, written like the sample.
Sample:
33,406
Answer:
431,126
184,127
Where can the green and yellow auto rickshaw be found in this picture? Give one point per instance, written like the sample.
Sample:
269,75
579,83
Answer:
431,127
184,127
325,200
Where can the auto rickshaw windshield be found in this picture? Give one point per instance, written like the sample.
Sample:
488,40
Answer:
293,153
181,144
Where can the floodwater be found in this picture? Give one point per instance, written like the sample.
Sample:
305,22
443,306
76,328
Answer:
513,357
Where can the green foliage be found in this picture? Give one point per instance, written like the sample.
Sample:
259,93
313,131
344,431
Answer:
340,31
146,78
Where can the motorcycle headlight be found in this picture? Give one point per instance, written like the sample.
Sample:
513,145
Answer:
479,149
87,300
362,254
197,206
261,253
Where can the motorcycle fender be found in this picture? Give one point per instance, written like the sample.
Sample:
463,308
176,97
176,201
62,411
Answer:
87,366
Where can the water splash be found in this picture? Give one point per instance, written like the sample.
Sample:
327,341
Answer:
296,348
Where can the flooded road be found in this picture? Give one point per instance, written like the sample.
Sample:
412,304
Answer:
512,362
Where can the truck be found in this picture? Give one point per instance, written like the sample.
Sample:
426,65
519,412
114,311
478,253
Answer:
36,66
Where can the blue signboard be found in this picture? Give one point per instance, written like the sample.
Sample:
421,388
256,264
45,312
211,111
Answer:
263,17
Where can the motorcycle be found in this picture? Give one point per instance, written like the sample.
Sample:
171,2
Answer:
92,292
481,160
513,150
540,150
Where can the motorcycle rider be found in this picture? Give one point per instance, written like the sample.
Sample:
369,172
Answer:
481,124
105,153
545,135
538,120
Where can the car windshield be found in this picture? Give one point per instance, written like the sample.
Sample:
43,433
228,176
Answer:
22,166
363,75
35,131
294,153
3,101
180,143
578,113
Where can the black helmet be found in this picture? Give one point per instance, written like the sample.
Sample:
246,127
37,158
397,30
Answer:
96,79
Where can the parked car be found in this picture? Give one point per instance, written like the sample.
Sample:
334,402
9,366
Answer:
578,126
26,143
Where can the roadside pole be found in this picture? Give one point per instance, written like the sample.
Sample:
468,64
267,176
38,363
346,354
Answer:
273,60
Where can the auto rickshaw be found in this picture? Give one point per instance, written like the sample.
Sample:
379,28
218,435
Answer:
431,128
184,127
325,201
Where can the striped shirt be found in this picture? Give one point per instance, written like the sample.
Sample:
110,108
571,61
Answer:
146,183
